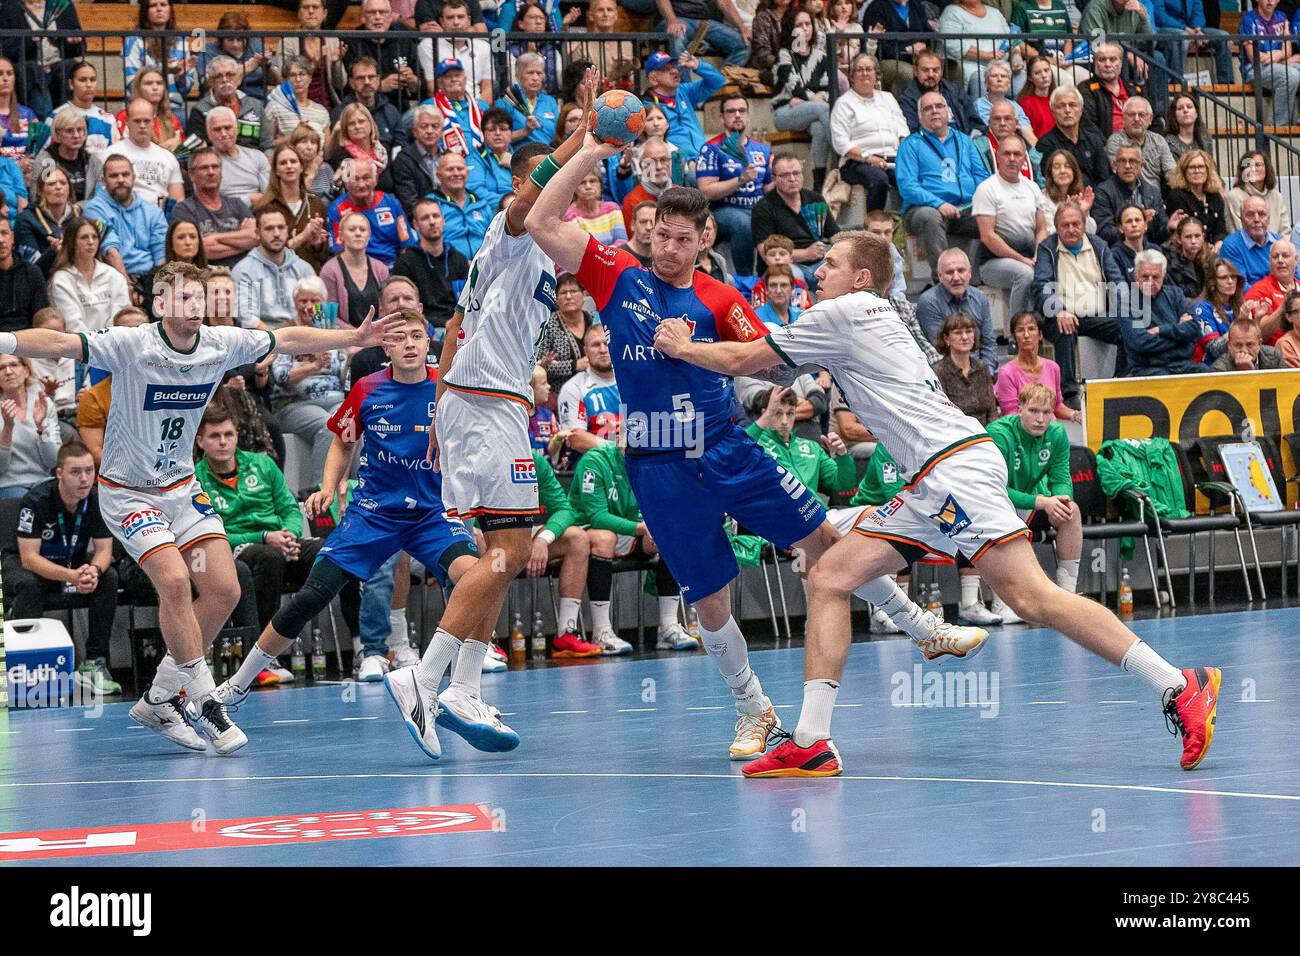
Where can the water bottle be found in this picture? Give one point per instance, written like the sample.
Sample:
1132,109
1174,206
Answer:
518,641
317,656
1125,595
537,646
298,661
226,659
693,624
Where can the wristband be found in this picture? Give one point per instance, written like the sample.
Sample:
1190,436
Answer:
8,343
547,168
547,535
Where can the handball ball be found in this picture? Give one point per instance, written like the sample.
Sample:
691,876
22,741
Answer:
619,118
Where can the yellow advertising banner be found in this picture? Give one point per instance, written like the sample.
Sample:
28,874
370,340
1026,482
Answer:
1183,408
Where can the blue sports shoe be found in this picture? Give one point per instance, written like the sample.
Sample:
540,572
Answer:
474,720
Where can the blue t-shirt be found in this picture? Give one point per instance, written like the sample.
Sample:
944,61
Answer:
392,419
389,233
671,405
541,427
714,161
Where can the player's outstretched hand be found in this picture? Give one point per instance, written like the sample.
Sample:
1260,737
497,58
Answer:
585,94
318,502
387,330
672,338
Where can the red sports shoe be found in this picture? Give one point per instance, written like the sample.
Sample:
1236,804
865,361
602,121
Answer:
571,645
791,760
1192,713
266,678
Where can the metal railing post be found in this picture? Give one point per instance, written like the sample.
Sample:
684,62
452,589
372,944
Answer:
1261,139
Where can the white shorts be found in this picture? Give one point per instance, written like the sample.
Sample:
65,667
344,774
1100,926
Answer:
486,460
146,521
959,505
843,519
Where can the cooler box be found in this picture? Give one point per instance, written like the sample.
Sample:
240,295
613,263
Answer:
39,658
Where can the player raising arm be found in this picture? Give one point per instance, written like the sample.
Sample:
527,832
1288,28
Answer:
164,373
956,501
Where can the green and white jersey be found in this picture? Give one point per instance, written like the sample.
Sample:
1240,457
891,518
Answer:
159,394
507,299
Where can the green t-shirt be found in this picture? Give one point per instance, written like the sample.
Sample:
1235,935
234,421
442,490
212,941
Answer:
883,479
1030,18
600,493
259,502
1035,466
807,461
559,512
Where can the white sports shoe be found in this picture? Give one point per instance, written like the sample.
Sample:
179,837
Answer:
752,732
1008,616
468,716
419,707
881,623
977,614
219,728
675,638
228,694
167,720
373,668
494,661
404,656
610,643
285,675
952,640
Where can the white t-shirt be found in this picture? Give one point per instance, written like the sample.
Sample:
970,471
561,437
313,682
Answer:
476,59
882,374
245,173
507,299
159,395
155,169
1015,206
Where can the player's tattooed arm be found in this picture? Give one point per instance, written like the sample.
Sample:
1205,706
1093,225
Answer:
42,343
756,359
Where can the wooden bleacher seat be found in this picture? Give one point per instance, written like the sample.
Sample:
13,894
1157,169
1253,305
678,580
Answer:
122,17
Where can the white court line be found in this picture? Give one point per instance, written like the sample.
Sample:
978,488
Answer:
1060,784
688,708
10,732
1032,702
636,710
848,705
508,713
1117,702
557,712
1232,702
358,718
300,720
72,730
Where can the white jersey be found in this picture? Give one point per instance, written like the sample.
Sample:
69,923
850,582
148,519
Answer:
883,376
508,298
159,395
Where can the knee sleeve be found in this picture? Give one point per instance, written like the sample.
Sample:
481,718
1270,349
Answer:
325,581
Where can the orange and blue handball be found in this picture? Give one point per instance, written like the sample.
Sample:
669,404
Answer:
619,118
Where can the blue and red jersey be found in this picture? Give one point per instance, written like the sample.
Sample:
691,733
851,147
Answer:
671,404
393,418
715,160
389,233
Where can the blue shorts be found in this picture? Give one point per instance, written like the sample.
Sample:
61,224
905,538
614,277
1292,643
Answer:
683,501
366,539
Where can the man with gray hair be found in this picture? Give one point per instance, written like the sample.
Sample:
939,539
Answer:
534,113
413,173
223,77
1071,134
1157,160
1160,333
1009,210
954,293
244,170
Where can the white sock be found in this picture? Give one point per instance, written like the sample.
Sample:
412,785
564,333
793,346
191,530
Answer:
668,613
815,718
1142,660
970,590
256,662
1067,575
468,672
570,608
442,650
916,622
600,617
398,635
730,653
197,680
166,682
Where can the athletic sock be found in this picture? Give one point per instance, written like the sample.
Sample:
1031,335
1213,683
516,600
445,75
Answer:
1142,660
600,617
442,650
166,682
254,663
668,613
970,590
398,631
467,674
1067,575
197,680
570,608
916,622
815,718
730,654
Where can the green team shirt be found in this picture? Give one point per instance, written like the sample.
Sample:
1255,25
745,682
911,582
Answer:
807,461
259,502
1035,466
1029,17
559,512
883,479
600,493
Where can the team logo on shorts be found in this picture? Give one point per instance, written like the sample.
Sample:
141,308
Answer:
203,504
951,518
138,521
879,515
523,471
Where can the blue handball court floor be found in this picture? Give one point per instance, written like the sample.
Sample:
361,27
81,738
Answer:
1036,754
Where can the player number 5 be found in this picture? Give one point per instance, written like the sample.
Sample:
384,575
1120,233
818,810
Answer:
683,407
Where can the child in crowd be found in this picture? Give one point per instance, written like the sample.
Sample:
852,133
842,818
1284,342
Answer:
777,250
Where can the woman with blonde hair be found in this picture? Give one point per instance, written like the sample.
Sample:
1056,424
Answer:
29,429
38,233
1255,177
352,278
356,136
67,151
1195,188
305,214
